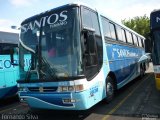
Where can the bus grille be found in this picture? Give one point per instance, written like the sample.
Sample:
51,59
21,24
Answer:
42,89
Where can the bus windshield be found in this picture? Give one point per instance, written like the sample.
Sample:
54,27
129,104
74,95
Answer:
156,48
56,35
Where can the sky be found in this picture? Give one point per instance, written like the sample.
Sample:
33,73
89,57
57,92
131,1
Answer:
13,12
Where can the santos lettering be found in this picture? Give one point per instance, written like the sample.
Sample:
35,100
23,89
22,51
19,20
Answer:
53,20
124,53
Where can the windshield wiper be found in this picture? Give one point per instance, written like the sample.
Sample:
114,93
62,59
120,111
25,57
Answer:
47,68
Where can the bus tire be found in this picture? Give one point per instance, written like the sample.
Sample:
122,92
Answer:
110,91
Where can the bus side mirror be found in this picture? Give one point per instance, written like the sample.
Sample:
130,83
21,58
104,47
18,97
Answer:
12,57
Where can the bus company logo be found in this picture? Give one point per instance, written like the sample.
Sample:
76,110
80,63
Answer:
41,89
93,90
54,20
157,19
124,53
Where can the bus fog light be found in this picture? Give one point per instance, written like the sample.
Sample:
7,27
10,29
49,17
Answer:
69,100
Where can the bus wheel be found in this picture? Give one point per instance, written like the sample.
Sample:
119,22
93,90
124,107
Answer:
109,89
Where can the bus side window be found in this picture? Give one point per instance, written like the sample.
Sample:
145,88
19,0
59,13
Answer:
105,25
140,42
112,31
120,33
123,35
129,37
135,40
90,20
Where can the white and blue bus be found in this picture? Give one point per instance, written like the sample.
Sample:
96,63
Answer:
78,58
8,72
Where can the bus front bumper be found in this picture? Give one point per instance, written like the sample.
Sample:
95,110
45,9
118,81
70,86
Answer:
57,101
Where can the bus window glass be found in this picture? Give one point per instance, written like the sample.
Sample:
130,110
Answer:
95,22
140,42
112,31
90,20
129,37
123,35
119,33
105,25
60,44
135,40
85,15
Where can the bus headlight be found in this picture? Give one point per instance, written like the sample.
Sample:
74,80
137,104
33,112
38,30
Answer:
75,88
79,87
64,88
70,88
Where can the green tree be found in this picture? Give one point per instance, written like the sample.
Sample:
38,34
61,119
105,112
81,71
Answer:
138,24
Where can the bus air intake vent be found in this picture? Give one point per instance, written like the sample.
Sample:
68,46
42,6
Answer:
42,89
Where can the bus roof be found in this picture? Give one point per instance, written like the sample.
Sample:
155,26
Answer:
9,37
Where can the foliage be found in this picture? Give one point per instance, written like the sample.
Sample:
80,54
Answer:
138,24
